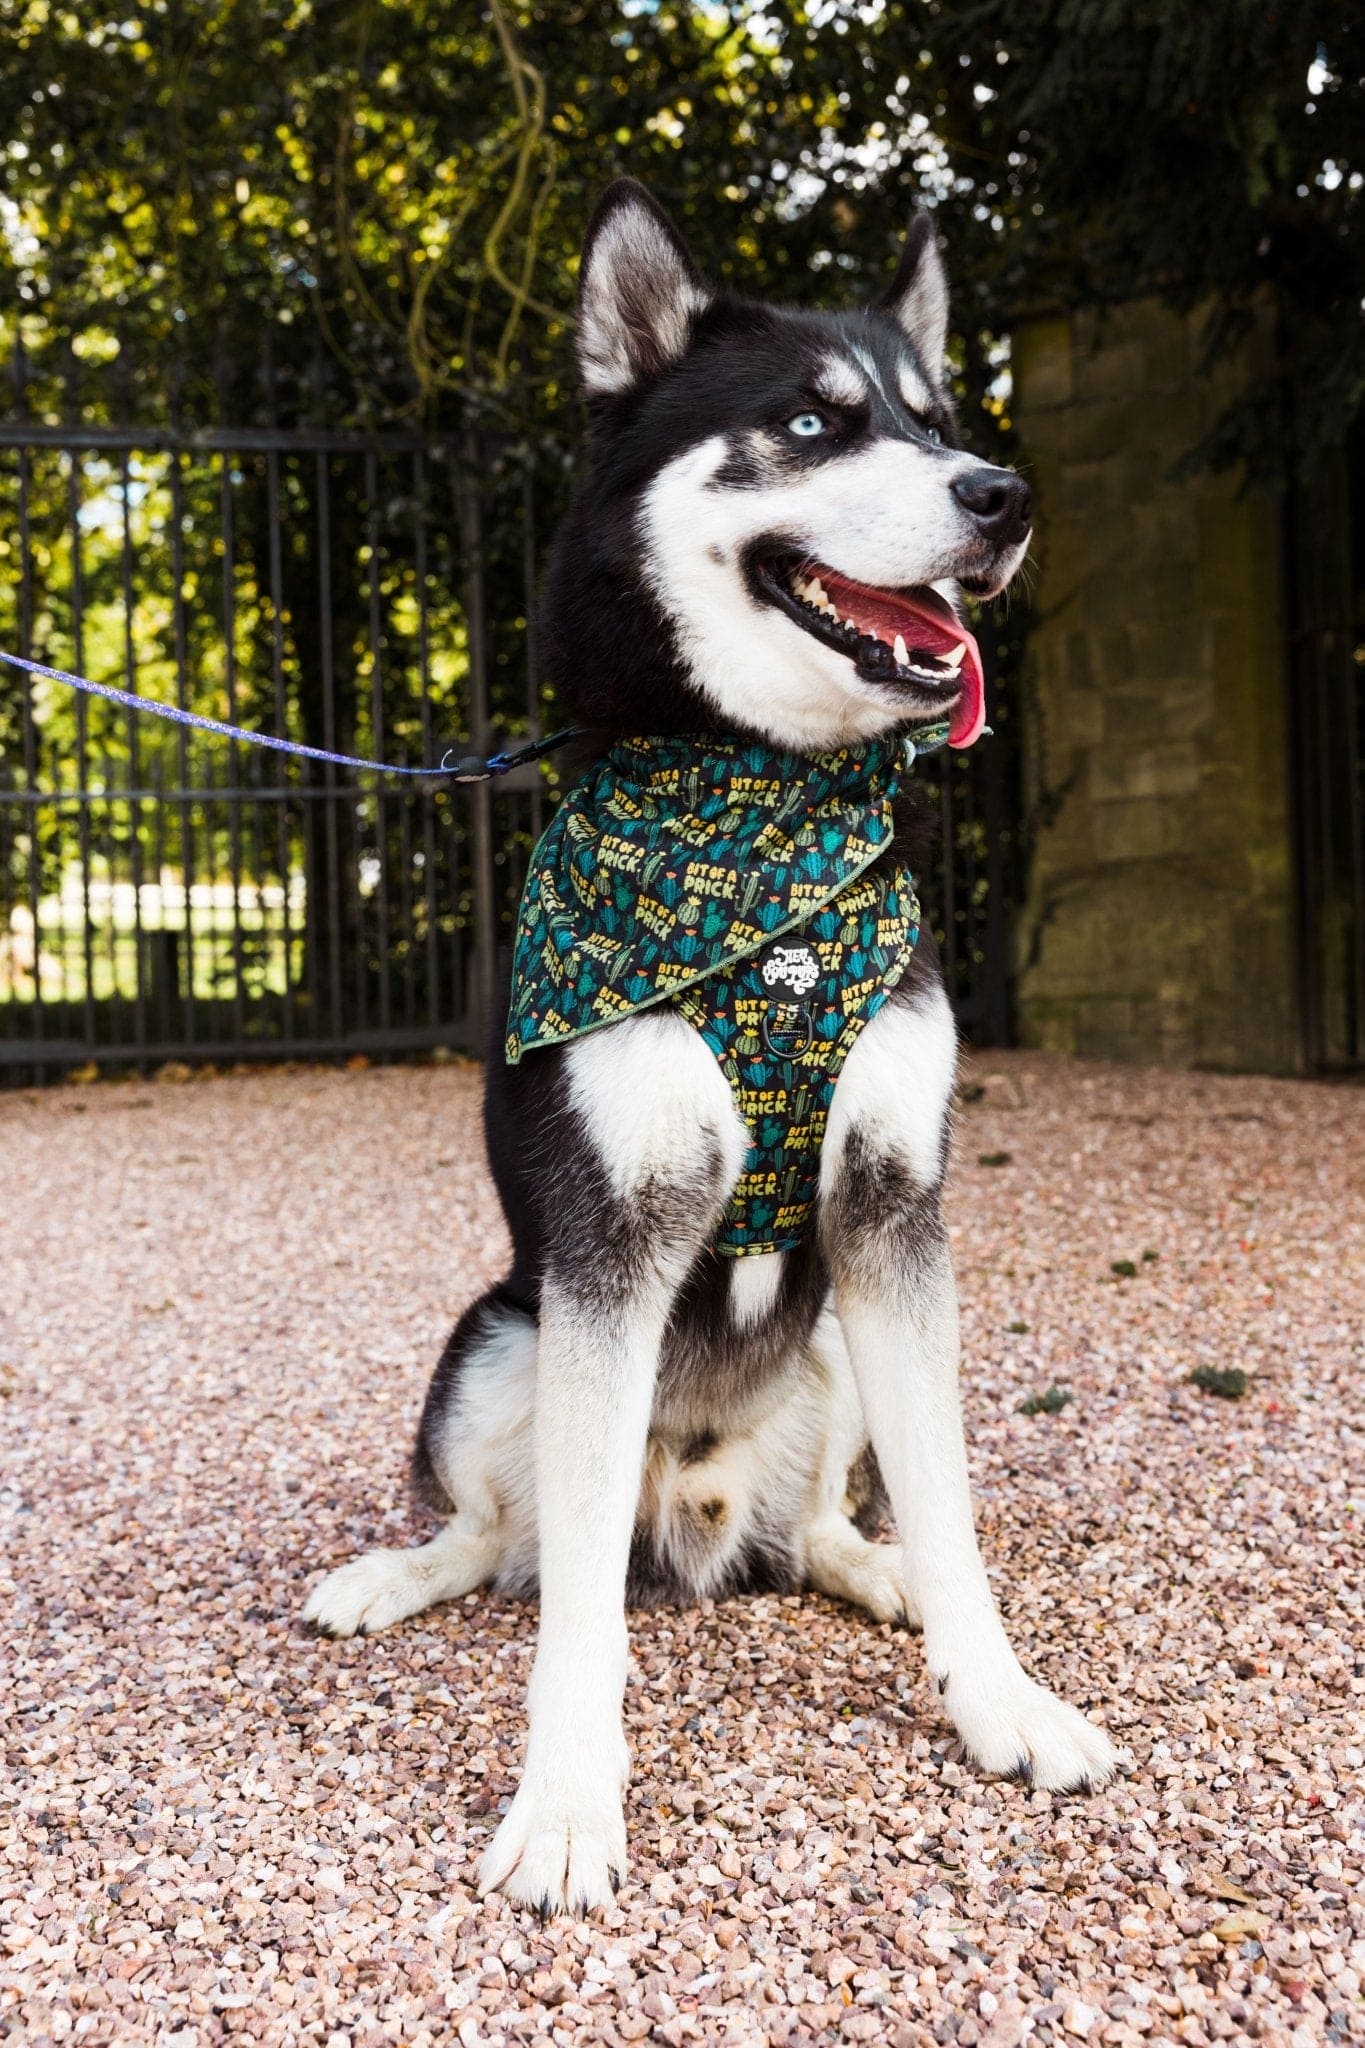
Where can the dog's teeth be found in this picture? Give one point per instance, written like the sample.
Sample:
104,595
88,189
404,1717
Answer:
815,591
901,651
954,659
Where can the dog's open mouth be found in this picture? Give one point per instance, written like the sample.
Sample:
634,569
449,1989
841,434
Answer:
909,641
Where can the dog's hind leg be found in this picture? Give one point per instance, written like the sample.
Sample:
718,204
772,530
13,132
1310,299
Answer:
651,1146
385,1586
472,1461
838,1558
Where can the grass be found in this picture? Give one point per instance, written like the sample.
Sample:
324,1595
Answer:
91,950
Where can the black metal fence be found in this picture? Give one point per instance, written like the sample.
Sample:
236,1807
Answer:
1325,577
166,899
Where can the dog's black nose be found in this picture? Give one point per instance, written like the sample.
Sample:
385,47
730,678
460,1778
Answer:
1000,502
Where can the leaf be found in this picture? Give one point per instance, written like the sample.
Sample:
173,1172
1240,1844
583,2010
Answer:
1228,1888
1240,1926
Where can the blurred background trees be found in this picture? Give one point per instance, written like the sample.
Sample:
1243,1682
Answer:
392,192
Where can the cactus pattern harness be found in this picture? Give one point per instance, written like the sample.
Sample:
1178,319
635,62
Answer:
743,885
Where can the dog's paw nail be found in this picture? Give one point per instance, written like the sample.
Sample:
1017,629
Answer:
1023,1771
943,1683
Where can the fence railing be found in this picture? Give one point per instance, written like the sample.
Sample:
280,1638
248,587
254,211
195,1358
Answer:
163,898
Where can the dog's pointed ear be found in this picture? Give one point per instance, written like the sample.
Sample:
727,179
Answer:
918,298
638,290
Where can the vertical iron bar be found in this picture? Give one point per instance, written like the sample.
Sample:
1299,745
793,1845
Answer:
404,803
158,944
948,816
329,741
283,841
82,741
234,796
470,513
184,805
377,723
134,756
996,966
428,799
528,571
104,834
30,730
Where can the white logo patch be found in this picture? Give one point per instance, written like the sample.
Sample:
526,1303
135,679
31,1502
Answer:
794,969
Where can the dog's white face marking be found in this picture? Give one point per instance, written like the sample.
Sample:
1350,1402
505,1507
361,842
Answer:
914,391
883,514
868,363
838,382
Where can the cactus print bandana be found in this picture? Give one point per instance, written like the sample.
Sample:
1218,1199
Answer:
738,882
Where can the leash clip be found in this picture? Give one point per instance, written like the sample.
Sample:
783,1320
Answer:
468,769
474,768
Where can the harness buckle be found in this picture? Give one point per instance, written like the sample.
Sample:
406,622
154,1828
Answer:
787,1018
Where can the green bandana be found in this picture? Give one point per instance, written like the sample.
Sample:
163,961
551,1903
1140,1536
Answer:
728,877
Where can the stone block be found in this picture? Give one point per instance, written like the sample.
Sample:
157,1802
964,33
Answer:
1140,829
1167,769
1041,361
1168,525
1168,645
1158,919
1113,369
1183,708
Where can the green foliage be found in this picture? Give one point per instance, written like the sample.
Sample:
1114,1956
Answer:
1228,1382
1051,1402
1211,154
393,191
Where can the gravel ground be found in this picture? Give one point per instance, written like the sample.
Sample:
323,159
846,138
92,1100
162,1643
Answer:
218,1306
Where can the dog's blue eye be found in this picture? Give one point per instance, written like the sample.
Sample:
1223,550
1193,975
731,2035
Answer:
806,425
933,434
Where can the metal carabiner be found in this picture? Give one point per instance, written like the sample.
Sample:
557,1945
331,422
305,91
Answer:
789,1018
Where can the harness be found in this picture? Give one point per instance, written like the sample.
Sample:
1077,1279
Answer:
744,885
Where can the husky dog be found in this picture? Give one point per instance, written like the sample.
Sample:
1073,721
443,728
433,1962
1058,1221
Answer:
775,507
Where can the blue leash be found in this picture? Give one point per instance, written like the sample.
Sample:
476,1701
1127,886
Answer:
472,768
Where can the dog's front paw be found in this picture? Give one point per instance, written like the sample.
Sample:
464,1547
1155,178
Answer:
558,1852
1019,1729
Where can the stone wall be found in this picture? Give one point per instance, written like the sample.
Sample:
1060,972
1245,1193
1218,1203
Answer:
1158,919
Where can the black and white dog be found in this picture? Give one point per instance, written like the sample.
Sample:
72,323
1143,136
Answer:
772,497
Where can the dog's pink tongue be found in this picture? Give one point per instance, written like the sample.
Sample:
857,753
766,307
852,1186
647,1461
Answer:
931,627
969,719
